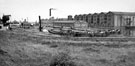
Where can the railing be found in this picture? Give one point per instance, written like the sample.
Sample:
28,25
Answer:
128,26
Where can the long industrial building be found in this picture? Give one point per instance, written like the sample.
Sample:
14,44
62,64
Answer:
110,20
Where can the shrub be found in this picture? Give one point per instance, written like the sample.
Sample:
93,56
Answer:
62,59
53,46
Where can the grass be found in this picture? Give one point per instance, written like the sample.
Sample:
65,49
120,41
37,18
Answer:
62,59
63,51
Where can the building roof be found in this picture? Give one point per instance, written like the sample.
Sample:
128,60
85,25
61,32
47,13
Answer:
67,21
123,13
103,13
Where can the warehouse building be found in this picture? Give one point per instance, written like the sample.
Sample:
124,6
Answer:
46,23
71,24
125,21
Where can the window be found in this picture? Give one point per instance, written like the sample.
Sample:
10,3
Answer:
128,21
105,21
109,19
105,18
91,21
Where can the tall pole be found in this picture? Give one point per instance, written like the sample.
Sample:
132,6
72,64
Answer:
40,27
50,12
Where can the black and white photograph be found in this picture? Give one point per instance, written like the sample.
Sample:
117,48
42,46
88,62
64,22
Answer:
67,32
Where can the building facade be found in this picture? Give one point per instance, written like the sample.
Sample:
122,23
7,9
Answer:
90,20
110,20
70,17
71,24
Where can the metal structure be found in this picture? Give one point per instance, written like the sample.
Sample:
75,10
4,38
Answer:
50,12
4,20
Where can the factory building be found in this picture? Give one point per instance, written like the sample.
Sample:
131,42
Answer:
70,23
124,21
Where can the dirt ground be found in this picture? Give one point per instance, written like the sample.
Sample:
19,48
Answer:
28,47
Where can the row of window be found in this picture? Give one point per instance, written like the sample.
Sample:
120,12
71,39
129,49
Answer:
94,16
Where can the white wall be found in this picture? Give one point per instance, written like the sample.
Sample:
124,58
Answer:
117,20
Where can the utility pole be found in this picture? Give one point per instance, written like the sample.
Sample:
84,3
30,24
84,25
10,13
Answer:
40,27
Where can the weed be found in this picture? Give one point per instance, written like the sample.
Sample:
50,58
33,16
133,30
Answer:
53,46
46,42
62,59
91,49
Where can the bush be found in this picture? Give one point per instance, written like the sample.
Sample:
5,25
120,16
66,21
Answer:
62,59
53,46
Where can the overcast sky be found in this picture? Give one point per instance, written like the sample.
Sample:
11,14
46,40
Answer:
21,9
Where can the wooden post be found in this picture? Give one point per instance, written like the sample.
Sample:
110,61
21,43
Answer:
40,27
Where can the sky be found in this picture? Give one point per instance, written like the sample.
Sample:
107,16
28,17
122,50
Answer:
31,9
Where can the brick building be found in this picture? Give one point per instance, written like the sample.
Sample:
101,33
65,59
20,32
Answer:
84,16
70,17
76,17
125,21
110,20
70,23
102,20
95,19
80,17
90,20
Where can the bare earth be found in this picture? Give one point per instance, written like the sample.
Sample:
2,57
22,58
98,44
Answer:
32,48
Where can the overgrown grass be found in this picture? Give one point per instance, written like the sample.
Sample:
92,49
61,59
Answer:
62,59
